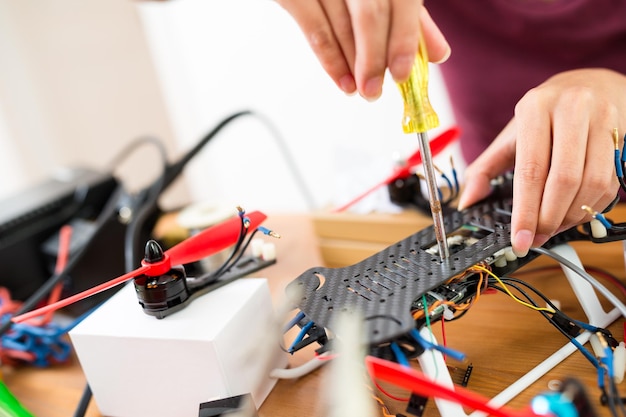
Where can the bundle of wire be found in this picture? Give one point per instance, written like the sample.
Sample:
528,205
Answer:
620,169
40,342
239,249
480,279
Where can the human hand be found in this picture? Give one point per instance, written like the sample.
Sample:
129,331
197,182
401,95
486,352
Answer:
357,40
561,144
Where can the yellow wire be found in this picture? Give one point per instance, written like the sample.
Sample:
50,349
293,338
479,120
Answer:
546,309
384,408
417,314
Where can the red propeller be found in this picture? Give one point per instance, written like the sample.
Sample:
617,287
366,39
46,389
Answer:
205,243
436,146
415,381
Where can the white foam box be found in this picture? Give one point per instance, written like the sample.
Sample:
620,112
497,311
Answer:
138,365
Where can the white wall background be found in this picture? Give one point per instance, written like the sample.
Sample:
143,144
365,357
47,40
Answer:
218,57
77,84
81,79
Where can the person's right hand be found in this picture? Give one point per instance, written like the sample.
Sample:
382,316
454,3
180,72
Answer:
356,41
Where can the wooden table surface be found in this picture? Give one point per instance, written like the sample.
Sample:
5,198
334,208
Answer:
502,339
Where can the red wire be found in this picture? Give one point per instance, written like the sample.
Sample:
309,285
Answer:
65,236
388,394
415,381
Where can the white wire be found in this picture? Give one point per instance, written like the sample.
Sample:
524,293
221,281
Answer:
583,274
302,370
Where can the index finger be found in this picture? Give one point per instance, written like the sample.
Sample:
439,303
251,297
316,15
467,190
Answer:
532,160
370,23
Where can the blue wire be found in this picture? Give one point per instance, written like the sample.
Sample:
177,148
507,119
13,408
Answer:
399,354
585,353
618,164
586,326
448,182
44,342
300,336
428,345
264,230
601,372
456,182
608,361
603,220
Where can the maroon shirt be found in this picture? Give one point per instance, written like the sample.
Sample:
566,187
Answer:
503,48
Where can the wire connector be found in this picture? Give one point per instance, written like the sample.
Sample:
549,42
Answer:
268,232
598,216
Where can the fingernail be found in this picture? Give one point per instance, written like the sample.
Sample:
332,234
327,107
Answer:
347,84
521,243
445,56
373,88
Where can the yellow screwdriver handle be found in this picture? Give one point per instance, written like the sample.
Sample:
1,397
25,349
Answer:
419,115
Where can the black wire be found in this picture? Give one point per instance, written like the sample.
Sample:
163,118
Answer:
610,398
531,301
544,297
547,315
175,169
241,251
145,209
609,403
131,236
83,404
240,239
170,173
108,212
234,258
213,276
615,397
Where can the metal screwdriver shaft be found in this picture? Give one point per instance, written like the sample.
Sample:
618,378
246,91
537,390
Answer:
419,117
433,196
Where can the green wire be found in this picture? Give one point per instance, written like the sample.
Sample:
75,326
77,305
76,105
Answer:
9,405
430,329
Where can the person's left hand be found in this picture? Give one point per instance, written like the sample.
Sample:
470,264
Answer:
560,142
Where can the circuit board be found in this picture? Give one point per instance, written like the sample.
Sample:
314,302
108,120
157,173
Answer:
383,287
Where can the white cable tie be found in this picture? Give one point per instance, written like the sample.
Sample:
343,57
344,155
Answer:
268,252
256,247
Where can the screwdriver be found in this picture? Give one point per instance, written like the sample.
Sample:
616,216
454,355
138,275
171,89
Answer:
419,117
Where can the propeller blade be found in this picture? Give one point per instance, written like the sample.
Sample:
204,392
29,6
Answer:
437,145
81,295
205,243
212,239
415,381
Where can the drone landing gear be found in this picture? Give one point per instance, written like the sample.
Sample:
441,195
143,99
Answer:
434,366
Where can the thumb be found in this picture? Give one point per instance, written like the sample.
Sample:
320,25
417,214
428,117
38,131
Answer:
495,160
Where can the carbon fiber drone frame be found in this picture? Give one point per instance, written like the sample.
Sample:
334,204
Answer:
383,287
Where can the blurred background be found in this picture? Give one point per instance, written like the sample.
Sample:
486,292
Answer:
81,80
